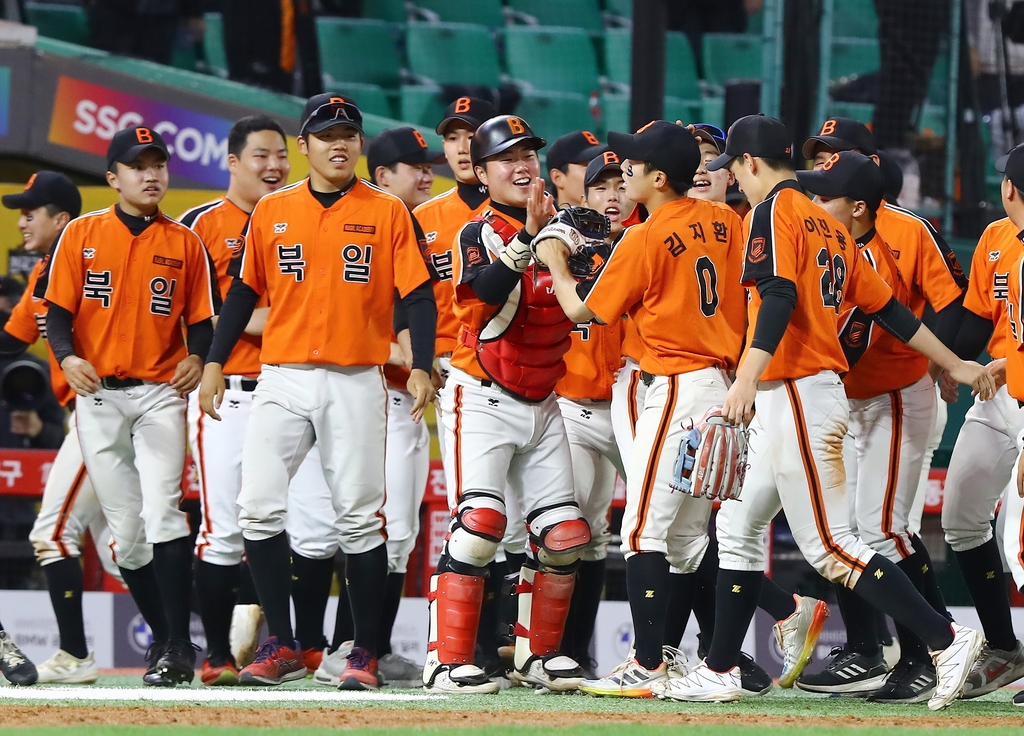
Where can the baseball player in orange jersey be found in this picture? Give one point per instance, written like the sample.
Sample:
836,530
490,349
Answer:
682,264
330,250
934,277
69,506
503,428
258,163
892,409
122,283
791,365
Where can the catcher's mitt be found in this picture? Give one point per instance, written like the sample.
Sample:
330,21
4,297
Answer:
712,458
577,227
588,260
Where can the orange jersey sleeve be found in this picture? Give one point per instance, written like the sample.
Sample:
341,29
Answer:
993,258
1015,333
330,274
129,294
791,237
220,225
441,219
679,268
591,363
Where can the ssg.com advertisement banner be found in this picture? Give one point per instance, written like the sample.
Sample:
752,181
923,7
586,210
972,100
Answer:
86,116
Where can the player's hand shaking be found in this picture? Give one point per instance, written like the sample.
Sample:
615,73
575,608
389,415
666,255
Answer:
421,386
211,390
982,384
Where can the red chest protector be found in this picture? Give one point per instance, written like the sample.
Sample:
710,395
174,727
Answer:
522,347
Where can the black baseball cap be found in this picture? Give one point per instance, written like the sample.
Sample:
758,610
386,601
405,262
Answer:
400,145
666,146
893,175
471,110
607,161
847,174
47,187
1012,166
758,135
841,134
128,144
578,147
327,110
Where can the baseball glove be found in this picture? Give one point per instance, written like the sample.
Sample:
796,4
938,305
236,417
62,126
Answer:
577,227
712,458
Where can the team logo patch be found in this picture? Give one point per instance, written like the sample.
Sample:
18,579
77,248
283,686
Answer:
855,337
993,255
473,256
280,227
757,250
233,244
431,236
164,261
88,253
364,229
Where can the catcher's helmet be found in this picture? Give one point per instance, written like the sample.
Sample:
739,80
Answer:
499,134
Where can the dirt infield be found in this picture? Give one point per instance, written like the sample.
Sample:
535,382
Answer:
13,716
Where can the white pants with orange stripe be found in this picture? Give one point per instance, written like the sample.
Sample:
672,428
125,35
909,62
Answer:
796,464
344,411
980,468
595,463
408,463
133,443
890,434
656,518
628,394
1013,515
69,507
934,440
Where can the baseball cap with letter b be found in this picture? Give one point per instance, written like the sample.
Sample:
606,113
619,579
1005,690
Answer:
128,144
847,174
500,134
327,110
664,145
758,135
47,187
470,110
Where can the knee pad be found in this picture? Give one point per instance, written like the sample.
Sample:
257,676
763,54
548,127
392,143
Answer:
476,529
558,534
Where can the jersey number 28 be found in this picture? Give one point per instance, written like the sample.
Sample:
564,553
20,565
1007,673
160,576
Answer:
832,280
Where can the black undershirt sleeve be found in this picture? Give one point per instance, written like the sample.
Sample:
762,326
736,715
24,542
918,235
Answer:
973,336
10,345
199,338
422,322
494,283
948,320
234,316
778,298
897,320
58,332
400,320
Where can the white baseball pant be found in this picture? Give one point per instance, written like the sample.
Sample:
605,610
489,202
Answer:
934,440
408,463
1013,512
628,394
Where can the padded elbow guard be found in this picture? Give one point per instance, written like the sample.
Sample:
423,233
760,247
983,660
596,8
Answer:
558,534
476,530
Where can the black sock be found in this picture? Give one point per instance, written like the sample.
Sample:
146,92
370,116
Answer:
247,595
647,583
884,586
982,568
64,581
311,587
915,568
271,567
487,631
389,611
703,604
929,586
859,617
217,590
508,608
682,594
515,561
344,628
586,599
882,627
736,600
145,590
173,562
776,602
367,577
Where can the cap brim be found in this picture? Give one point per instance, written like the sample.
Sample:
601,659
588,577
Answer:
474,123
314,128
135,151
424,156
617,168
626,146
721,162
1000,164
26,200
831,141
819,182
705,137
587,155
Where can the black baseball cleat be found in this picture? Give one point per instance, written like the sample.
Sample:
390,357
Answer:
1018,699
911,681
15,666
176,665
153,655
849,673
753,679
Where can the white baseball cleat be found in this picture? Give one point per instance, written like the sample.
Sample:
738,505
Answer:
459,679
702,685
953,664
244,635
797,636
333,666
628,680
559,673
68,669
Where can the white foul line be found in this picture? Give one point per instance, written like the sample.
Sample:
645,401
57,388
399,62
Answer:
203,695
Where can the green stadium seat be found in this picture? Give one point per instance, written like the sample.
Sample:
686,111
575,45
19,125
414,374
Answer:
584,14
853,57
552,59
618,45
755,23
620,8
862,111
371,98
453,53
712,110
213,44
422,105
933,121
730,56
551,114
63,22
689,111
358,50
615,111
938,86
390,10
855,18
482,12
681,79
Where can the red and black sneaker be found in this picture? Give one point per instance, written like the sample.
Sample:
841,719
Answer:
361,673
222,672
274,664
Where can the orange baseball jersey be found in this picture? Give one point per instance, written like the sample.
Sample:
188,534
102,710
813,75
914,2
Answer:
881,363
632,347
220,224
677,276
591,363
129,294
28,323
330,274
1015,332
441,219
927,263
791,237
996,252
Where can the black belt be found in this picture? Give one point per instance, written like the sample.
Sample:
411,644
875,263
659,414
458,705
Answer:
249,384
241,384
113,382
647,378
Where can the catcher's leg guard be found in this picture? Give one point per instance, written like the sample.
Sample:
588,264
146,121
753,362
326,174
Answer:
543,599
454,602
